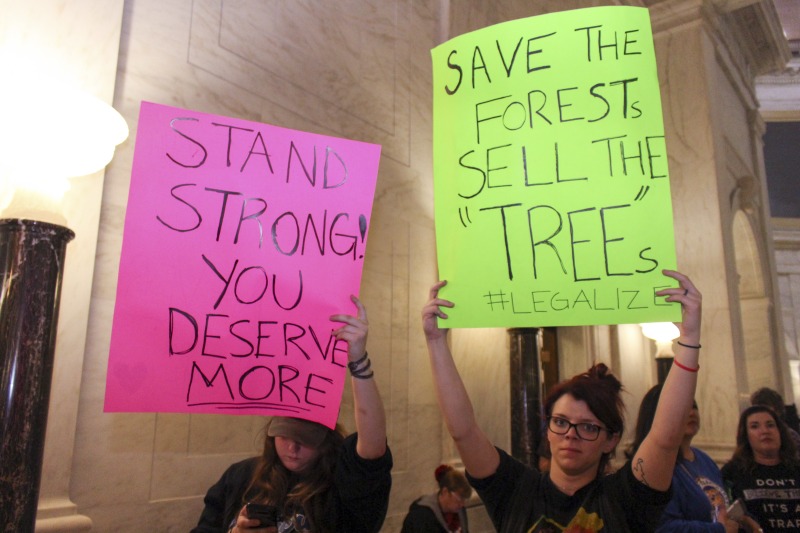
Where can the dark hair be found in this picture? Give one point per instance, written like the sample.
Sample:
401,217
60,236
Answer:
600,390
644,420
270,481
770,398
454,481
743,456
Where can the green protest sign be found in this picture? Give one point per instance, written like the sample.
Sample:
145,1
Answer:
552,194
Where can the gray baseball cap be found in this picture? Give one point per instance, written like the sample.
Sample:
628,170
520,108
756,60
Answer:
303,431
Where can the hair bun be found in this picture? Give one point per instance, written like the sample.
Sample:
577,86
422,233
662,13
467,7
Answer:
598,370
440,471
602,372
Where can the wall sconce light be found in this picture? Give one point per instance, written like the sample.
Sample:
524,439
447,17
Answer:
663,333
48,134
46,138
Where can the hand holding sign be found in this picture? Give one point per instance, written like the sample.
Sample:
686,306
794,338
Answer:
369,412
432,314
354,332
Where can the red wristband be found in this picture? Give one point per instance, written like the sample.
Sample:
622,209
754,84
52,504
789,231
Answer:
684,367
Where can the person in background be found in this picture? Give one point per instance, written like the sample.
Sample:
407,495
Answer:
791,418
314,479
443,511
699,502
772,398
764,471
585,421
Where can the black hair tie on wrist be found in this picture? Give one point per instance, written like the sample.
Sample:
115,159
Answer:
353,365
690,345
361,369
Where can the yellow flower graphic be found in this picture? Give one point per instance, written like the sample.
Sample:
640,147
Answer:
584,523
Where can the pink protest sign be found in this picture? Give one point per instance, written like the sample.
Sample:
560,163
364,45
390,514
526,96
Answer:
241,240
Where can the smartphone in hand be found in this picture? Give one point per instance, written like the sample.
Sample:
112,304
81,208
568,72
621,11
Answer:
266,514
736,510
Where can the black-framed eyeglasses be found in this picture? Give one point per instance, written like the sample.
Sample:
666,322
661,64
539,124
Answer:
584,430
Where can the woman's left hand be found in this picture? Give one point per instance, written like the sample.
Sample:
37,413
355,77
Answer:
691,305
354,331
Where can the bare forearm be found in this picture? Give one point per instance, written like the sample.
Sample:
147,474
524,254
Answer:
677,396
370,418
477,453
655,459
369,414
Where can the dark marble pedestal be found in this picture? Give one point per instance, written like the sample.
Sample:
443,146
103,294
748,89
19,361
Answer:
663,364
31,270
526,392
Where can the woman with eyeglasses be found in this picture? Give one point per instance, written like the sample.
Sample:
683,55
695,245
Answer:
584,425
443,511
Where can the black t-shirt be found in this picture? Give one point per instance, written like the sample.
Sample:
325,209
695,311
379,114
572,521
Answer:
520,499
770,493
358,499
425,516
421,519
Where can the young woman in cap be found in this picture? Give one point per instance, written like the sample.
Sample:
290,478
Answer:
313,479
584,424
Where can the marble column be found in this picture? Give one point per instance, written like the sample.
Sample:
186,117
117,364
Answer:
526,400
31,270
663,364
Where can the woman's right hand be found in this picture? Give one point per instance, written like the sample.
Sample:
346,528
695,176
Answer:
731,526
432,312
250,525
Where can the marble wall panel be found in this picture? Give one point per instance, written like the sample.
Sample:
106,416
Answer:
760,360
790,291
787,255
746,234
684,56
342,53
310,66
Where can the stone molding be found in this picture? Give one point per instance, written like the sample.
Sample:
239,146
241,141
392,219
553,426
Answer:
786,234
742,21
